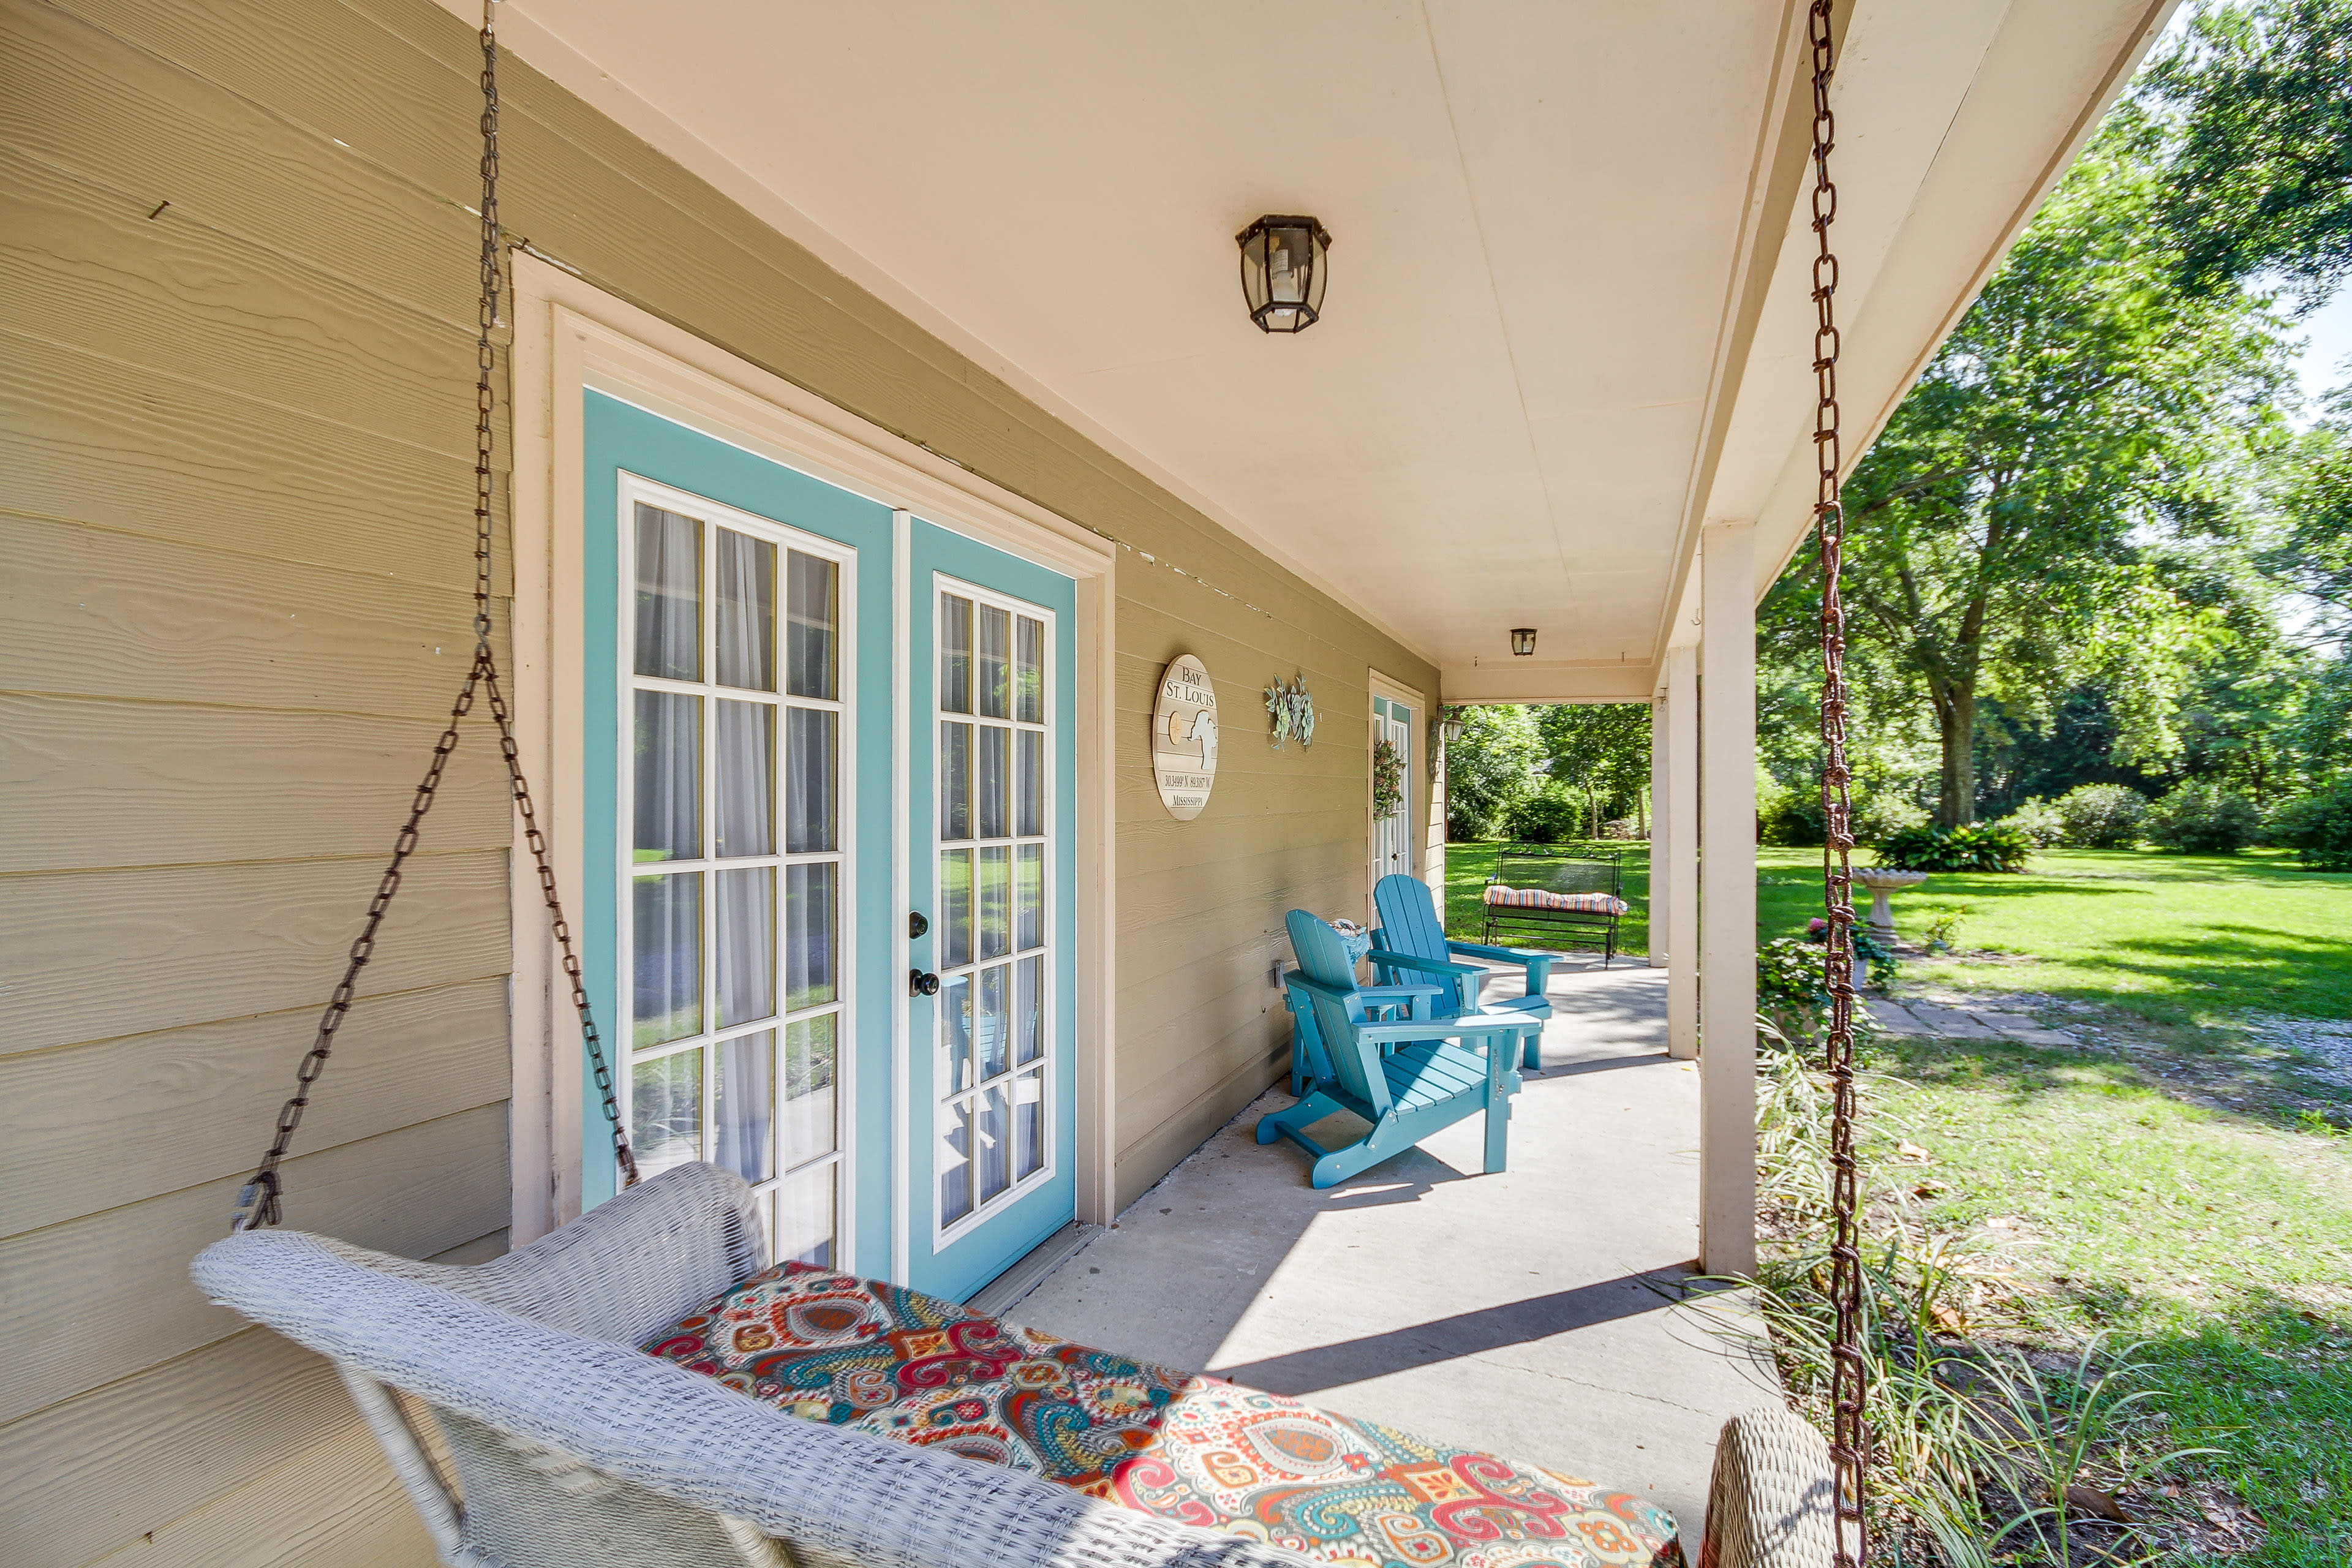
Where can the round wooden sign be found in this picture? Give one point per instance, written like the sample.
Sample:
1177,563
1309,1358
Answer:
1184,737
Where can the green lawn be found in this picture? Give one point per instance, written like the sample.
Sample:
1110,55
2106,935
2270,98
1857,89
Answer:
2173,1181
2093,1192
2177,939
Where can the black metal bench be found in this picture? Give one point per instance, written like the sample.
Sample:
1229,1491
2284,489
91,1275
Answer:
1554,897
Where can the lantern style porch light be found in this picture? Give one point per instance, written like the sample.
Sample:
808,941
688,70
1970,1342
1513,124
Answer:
1285,262
1523,641
1452,725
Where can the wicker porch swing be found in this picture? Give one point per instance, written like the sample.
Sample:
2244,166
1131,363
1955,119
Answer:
530,1427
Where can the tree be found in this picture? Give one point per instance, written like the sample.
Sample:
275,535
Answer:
2259,179
2088,403
1604,747
1489,769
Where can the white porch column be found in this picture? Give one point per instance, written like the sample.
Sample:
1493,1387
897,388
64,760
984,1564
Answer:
1727,1005
1662,845
1679,812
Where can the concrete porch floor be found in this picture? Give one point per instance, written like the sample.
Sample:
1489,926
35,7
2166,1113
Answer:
1532,1314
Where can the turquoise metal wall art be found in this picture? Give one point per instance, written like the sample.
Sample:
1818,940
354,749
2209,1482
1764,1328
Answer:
1292,709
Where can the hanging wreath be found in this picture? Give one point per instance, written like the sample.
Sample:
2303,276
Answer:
1387,778
1293,712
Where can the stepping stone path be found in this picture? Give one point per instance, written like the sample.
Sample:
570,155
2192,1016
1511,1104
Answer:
1934,1021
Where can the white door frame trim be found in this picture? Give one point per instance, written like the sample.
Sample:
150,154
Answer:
1417,793
569,335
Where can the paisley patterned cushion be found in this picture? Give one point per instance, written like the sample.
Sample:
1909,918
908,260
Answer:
1537,899
899,1365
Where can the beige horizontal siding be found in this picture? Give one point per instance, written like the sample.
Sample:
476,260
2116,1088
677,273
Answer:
238,457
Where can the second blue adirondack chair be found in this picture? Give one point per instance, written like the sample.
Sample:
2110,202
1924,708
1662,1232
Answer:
1409,1078
1411,944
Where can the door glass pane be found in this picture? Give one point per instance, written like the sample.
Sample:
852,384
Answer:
955,1035
745,763
990,1023
666,1111
955,654
811,918
1028,1125
805,1205
1028,1009
1029,896
811,759
665,925
1029,783
992,671
669,776
744,1103
994,929
955,908
812,606
746,621
809,1129
988,782
955,780
670,594
952,1160
1029,672
746,945
995,1143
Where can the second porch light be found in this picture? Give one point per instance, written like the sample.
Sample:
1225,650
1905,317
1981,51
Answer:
1285,262
1523,641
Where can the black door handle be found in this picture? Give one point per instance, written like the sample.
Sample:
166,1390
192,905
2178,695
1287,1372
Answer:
922,985
916,925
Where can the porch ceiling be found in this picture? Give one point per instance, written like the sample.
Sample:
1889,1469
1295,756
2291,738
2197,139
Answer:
1557,230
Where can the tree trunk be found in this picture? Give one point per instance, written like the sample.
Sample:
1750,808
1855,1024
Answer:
1956,720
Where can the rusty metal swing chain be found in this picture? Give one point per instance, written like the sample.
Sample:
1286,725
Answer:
258,1203
1850,1437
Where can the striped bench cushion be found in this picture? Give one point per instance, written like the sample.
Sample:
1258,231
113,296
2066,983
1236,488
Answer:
890,1361
1537,899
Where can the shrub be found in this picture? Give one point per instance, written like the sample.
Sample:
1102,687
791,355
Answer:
2042,823
1554,814
2317,826
1788,818
2102,816
2204,819
1792,988
1882,815
1979,847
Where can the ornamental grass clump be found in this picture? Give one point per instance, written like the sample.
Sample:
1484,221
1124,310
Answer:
1980,1454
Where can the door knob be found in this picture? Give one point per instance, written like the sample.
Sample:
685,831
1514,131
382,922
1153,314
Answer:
922,985
916,924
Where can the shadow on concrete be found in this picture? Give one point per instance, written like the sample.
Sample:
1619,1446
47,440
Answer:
1464,1334
1603,1064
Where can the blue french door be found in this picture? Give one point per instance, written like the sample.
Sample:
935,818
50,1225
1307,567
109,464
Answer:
738,622
990,1029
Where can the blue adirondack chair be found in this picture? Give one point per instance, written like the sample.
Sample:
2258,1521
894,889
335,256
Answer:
1412,941
1408,1076
1310,1063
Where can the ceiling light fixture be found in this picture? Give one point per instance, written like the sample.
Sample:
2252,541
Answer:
1523,641
1285,262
